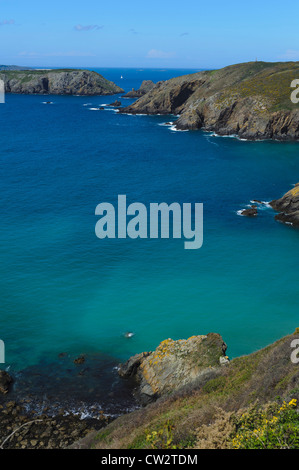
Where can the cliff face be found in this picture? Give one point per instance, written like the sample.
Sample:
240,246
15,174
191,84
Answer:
288,207
251,100
58,82
174,364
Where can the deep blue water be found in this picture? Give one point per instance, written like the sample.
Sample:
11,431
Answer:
62,289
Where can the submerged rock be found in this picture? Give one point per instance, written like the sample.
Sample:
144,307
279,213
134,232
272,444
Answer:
79,360
288,207
174,364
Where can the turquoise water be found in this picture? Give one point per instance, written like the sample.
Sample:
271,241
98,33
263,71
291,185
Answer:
62,289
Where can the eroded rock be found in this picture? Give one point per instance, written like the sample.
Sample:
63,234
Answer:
174,364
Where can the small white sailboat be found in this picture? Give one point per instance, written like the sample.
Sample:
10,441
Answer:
121,76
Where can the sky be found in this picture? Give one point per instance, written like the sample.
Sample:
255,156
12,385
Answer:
156,34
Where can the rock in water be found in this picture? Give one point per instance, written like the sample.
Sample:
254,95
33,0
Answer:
58,82
288,207
115,103
174,364
251,212
5,381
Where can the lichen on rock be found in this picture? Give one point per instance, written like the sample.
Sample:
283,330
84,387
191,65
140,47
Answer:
174,364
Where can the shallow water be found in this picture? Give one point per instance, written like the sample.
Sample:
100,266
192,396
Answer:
62,289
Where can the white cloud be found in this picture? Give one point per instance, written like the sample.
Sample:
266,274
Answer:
156,54
89,27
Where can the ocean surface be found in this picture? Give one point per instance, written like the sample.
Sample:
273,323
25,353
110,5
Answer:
64,290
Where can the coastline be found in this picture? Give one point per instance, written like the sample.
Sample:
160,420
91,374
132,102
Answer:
180,369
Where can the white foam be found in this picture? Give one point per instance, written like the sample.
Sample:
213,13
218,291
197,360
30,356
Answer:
174,128
262,203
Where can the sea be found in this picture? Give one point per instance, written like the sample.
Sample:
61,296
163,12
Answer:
65,293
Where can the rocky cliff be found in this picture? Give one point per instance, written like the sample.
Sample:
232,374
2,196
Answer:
251,100
288,207
58,82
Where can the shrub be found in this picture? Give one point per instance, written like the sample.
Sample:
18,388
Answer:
274,427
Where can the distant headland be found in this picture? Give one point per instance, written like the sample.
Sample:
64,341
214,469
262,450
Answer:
56,82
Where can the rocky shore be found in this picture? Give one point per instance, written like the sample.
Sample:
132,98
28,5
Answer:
250,100
22,430
186,386
52,404
58,82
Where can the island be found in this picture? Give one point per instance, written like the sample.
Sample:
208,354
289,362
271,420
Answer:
250,100
58,82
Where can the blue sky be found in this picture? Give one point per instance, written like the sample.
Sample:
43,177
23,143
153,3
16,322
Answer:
168,34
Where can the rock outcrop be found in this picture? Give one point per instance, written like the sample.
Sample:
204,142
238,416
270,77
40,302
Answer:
174,364
288,207
250,212
5,381
58,82
115,104
146,86
251,100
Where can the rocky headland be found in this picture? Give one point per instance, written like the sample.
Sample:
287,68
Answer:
58,82
145,87
288,207
250,100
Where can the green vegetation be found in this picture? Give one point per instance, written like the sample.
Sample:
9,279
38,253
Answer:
268,81
275,427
